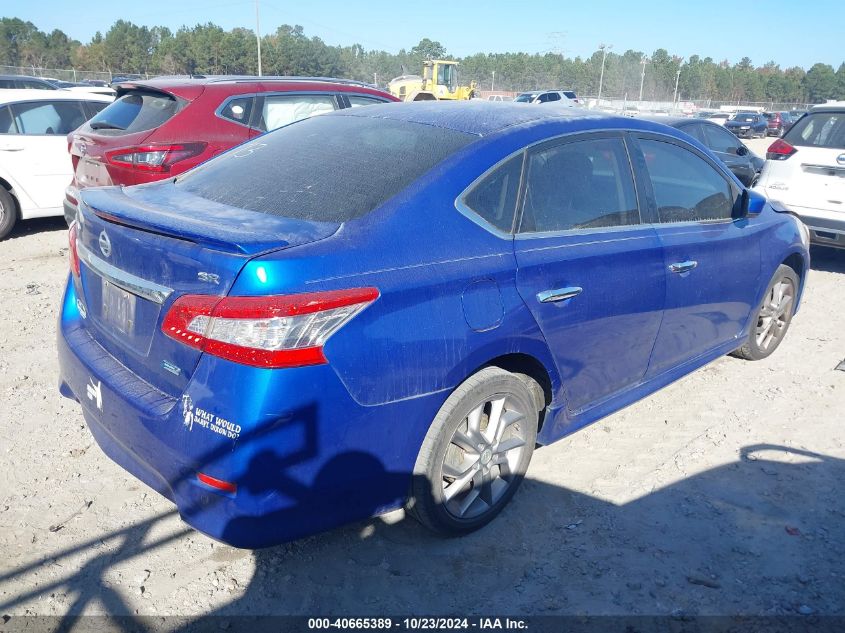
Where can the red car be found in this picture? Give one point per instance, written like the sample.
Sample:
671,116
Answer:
159,128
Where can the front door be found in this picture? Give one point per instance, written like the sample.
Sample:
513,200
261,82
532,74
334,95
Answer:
712,260
587,268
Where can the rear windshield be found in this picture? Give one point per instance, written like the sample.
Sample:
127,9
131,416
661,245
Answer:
330,168
136,111
819,129
745,118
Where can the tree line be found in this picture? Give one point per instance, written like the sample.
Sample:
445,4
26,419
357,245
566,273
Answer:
209,49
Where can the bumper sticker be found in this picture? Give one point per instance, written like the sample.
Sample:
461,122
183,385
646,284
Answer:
95,393
192,414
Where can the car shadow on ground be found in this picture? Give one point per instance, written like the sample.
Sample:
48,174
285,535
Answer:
826,259
38,225
762,535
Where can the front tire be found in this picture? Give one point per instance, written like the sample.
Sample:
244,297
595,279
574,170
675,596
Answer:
8,213
773,316
475,454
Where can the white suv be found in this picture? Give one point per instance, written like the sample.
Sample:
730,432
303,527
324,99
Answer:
561,97
35,167
805,172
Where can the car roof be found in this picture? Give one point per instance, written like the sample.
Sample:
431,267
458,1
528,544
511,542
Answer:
483,118
15,95
832,106
23,77
165,81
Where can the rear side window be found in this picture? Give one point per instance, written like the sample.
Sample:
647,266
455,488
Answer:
579,185
280,110
494,198
136,111
238,110
686,187
819,129
329,169
48,117
569,94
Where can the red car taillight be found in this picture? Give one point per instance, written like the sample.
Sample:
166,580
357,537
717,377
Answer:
73,253
780,150
155,158
271,332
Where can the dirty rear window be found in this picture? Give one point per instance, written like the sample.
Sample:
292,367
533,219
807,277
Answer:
328,168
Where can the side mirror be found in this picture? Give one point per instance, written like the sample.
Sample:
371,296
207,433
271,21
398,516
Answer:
742,150
751,203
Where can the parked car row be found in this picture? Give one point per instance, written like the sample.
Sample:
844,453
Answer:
154,129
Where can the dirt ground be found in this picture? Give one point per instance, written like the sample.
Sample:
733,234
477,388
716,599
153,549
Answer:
722,494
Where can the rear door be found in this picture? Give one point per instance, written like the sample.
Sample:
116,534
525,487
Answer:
712,261
36,154
589,270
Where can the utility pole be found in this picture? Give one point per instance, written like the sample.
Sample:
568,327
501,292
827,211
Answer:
644,61
603,50
493,83
677,77
258,36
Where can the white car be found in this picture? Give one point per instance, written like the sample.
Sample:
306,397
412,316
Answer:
560,97
35,167
805,173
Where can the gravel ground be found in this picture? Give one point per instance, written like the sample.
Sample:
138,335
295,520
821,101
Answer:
719,495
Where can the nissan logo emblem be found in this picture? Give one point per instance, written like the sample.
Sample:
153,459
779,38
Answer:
105,244
841,159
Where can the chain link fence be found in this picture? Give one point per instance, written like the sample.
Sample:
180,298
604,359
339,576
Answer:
66,74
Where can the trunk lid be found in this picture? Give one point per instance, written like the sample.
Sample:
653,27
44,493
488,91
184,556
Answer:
142,248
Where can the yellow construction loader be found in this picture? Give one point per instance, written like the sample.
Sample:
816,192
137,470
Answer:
438,81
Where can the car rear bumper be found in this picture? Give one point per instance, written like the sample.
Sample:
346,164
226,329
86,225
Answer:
303,454
826,228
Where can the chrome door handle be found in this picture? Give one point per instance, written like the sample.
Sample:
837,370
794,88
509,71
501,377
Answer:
682,267
560,294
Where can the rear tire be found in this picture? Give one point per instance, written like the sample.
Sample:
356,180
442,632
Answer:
475,454
773,316
8,213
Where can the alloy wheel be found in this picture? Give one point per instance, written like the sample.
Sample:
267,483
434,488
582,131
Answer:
775,314
480,464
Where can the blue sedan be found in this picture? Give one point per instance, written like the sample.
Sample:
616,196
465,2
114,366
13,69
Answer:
392,306
748,125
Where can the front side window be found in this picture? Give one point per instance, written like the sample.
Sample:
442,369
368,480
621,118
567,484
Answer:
280,110
48,117
686,187
494,198
579,185
358,100
720,140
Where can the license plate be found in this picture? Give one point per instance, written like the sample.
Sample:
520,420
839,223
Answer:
744,127
118,307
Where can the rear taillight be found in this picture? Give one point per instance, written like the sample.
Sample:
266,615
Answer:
156,158
73,253
272,332
780,150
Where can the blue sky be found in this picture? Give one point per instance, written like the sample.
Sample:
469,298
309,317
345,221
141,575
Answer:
802,33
